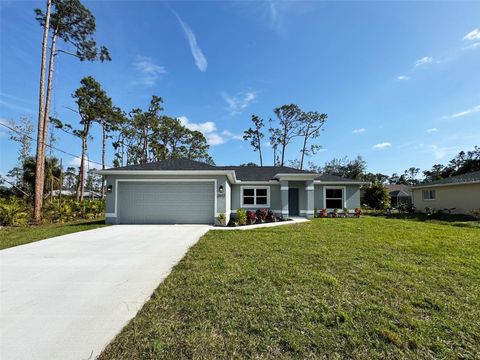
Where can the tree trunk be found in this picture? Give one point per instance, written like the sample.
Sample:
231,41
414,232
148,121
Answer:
104,141
260,149
81,174
303,150
39,166
46,114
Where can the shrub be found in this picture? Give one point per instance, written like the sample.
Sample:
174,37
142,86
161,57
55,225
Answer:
323,213
476,213
358,212
13,213
346,212
377,197
221,218
262,214
241,217
271,216
251,216
335,213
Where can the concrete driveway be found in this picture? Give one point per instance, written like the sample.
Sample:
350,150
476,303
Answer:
67,297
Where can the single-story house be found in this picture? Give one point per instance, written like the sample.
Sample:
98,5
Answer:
457,194
399,194
184,191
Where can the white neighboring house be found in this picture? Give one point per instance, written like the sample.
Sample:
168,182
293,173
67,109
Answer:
457,194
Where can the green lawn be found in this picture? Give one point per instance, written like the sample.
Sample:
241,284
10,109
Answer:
13,236
368,288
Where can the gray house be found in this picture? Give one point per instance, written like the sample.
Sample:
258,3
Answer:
189,192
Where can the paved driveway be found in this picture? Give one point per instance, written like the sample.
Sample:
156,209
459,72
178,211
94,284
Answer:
67,297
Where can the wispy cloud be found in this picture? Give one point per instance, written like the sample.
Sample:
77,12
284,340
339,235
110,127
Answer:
439,152
198,56
236,104
475,45
432,130
382,146
358,131
12,105
148,71
403,77
472,35
424,61
209,130
472,110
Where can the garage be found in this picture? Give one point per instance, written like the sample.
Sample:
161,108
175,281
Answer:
166,202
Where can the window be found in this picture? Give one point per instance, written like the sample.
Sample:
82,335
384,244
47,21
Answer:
255,197
429,194
334,198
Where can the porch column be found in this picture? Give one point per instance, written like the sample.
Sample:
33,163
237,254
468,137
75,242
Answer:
284,196
310,191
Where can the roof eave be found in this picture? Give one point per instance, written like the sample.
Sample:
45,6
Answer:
447,184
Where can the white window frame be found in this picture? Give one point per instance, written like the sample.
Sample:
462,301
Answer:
255,205
344,190
429,192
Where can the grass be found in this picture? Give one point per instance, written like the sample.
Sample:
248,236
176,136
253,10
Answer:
14,236
368,288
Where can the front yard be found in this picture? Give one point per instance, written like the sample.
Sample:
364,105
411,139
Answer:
332,288
13,236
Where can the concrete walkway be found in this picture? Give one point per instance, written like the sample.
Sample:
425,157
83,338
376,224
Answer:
293,220
67,297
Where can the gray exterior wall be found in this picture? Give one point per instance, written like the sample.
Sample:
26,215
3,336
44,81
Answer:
352,197
275,200
111,180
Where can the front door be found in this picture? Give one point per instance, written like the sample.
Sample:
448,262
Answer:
293,209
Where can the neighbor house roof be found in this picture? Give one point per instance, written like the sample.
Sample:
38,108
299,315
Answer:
472,177
399,190
242,173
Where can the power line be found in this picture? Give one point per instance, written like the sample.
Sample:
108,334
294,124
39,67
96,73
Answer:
50,146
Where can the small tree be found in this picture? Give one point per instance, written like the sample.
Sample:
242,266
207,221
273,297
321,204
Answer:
255,135
377,196
288,124
311,127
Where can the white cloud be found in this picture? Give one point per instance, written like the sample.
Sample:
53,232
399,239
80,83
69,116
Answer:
432,130
403,77
475,109
88,164
424,61
205,128
475,45
209,130
148,71
198,56
358,131
382,146
472,35
439,152
232,135
236,104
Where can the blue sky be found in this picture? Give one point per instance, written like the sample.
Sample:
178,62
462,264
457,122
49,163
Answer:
400,81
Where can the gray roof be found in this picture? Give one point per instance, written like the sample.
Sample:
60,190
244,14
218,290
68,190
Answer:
399,190
243,173
458,179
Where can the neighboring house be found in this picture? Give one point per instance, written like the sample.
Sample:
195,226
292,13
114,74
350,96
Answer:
72,193
185,191
457,194
399,194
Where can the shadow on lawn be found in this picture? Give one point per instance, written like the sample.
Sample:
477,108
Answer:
86,222
459,220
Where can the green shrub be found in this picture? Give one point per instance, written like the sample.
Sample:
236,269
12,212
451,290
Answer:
221,218
377,197
241,216
13,212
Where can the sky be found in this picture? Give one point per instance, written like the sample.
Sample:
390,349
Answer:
400,81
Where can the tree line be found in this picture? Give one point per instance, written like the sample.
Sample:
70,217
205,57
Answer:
290,122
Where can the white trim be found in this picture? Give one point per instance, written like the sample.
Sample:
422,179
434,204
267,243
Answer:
439,185
319,182
344,196
229,173
307,212
284,188
115,214
430,199
310,188
275,211
295,176
255,206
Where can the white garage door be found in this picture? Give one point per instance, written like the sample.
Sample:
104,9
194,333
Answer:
166,202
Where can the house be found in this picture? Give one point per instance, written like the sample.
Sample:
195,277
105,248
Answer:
399,194
457,194
184,191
